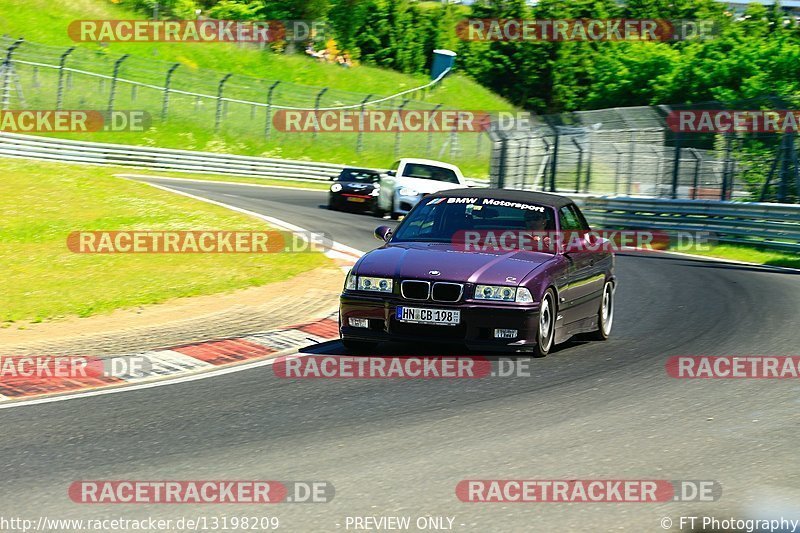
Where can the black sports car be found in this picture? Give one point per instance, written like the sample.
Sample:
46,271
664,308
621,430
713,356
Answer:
355,189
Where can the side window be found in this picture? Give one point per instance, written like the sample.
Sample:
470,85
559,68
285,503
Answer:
568,220
582,224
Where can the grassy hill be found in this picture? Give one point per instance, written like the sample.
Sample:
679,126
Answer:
190,123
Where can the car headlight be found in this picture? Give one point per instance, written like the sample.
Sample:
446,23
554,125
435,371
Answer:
350,283
408,191
366,283
336,187
495,292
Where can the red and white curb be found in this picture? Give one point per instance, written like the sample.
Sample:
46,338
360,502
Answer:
169,365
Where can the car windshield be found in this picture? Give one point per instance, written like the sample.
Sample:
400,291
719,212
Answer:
429,172
447,219
363,176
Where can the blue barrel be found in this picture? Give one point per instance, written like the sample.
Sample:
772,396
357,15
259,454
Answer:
442,60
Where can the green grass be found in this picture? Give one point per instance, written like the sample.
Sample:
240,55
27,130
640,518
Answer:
190,124
42,279
752,255
46,21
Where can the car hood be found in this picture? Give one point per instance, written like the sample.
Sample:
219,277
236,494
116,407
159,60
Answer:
417,260
426,186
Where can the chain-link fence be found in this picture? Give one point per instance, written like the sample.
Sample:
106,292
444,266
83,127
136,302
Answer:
634,151
619,151
192,101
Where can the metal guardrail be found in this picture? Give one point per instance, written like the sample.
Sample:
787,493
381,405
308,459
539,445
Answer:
70,151
770,225
774,226
164,159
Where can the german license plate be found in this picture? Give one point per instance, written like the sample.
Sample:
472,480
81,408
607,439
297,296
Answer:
420,315
355,199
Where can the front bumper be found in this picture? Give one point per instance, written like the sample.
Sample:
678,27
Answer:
475,330
404,204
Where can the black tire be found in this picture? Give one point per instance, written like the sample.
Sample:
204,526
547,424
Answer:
359,346
395,215
547,320
605,313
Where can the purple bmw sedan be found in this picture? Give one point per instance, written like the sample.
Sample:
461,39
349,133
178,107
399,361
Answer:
491,269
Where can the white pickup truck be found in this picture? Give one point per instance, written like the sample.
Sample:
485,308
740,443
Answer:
408,180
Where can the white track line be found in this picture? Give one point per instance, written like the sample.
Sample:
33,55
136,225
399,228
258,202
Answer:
223,182
729,261
339,250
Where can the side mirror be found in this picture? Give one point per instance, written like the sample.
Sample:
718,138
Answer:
383,233
391,173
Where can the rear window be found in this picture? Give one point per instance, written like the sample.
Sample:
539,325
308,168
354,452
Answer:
429,172
352,174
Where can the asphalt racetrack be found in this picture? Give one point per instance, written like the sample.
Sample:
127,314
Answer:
399,447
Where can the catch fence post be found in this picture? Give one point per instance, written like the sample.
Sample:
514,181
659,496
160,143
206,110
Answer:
360,135
113,90
218,115
167,82
268,125
60,91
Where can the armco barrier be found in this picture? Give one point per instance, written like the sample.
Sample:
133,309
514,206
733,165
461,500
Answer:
69,151
774,226
770,225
